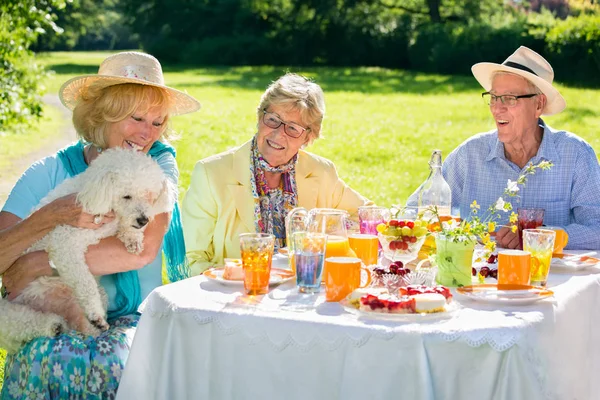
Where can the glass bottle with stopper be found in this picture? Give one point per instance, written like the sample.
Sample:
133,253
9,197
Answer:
435,191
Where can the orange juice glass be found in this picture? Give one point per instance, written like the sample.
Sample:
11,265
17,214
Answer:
337,246
514,267
257,255
366,247
561,240
342,276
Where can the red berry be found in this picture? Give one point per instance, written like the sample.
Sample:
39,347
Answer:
404,246
492,259
410,224
484,271
393,222
401,224
399,264
494,273
473,271
413,239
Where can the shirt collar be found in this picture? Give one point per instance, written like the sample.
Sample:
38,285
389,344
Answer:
547,150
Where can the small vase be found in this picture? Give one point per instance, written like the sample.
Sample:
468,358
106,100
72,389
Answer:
454,261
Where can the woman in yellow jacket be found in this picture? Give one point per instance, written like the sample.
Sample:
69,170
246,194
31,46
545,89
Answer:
251,188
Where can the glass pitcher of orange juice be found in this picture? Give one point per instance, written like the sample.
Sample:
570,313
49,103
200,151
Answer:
329,221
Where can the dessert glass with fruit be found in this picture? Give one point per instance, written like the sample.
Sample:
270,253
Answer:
402,238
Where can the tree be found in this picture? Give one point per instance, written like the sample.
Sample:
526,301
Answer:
21,22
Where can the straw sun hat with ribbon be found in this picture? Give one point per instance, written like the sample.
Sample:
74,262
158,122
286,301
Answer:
531,66
127,67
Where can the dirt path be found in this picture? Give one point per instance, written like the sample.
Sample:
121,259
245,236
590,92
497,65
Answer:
9,175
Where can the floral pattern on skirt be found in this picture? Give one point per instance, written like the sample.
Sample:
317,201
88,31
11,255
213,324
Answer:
70,366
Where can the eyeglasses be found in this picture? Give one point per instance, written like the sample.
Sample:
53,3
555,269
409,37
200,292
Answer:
291,129
507,99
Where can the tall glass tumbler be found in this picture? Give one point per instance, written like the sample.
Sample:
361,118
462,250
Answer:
371,216
528,218
257,255
540,243
309,253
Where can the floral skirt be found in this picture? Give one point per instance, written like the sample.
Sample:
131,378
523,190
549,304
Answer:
70,366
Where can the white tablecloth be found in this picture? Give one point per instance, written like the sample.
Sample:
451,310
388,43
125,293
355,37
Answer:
200,340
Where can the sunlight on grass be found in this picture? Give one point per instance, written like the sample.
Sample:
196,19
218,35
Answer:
13,146
380,127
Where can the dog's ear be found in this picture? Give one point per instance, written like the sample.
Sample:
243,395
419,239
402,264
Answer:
96,196
167,197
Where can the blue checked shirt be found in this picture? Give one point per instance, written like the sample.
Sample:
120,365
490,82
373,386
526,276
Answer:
569,191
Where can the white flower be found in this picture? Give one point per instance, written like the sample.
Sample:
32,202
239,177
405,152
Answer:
512,187
500,203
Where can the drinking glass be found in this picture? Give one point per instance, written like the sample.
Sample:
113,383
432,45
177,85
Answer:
528,218
371,216
257,255
293,223
366,247
540,243
309,253
514,267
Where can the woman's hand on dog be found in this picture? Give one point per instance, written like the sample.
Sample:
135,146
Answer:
71,213
26,269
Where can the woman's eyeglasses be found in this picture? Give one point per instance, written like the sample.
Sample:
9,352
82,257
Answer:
507,99
291,129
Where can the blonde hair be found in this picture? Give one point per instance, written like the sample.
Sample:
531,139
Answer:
298,93
98,108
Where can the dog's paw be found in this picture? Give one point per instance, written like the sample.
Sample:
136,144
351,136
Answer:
134,247
99,323
57,327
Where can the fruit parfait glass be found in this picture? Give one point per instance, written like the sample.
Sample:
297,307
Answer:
401,238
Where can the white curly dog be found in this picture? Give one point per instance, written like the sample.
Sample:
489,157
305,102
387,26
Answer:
135,188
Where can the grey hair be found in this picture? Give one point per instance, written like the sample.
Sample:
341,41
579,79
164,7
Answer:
530,85
297,93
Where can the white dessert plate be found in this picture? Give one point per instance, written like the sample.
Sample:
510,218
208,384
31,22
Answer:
451,309
278,276
513,295
571,262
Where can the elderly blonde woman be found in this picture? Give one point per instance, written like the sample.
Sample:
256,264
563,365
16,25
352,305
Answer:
251,188
125,105
519,91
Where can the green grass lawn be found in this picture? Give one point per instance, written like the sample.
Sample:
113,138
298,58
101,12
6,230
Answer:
380,127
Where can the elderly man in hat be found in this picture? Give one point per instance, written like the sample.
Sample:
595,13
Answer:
519,91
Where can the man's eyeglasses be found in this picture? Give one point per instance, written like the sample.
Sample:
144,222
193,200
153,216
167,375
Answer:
291,129
507,99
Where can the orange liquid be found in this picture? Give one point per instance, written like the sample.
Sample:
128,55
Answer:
337,246
365,246
341,277
257,271
514,267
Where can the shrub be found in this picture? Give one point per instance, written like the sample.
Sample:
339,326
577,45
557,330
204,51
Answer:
453,48
573,49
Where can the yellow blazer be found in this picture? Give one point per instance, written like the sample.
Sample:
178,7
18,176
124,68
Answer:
218,205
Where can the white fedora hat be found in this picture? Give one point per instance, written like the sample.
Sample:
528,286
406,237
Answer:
127,67
530,65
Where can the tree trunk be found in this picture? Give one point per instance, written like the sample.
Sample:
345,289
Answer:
434,10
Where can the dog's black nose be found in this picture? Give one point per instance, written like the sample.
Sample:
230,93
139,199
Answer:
142,221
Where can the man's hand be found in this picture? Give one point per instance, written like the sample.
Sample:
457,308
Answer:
507,239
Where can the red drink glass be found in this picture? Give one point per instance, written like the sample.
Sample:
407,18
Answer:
529,218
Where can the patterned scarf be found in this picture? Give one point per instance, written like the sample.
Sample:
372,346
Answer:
128,296
268,217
